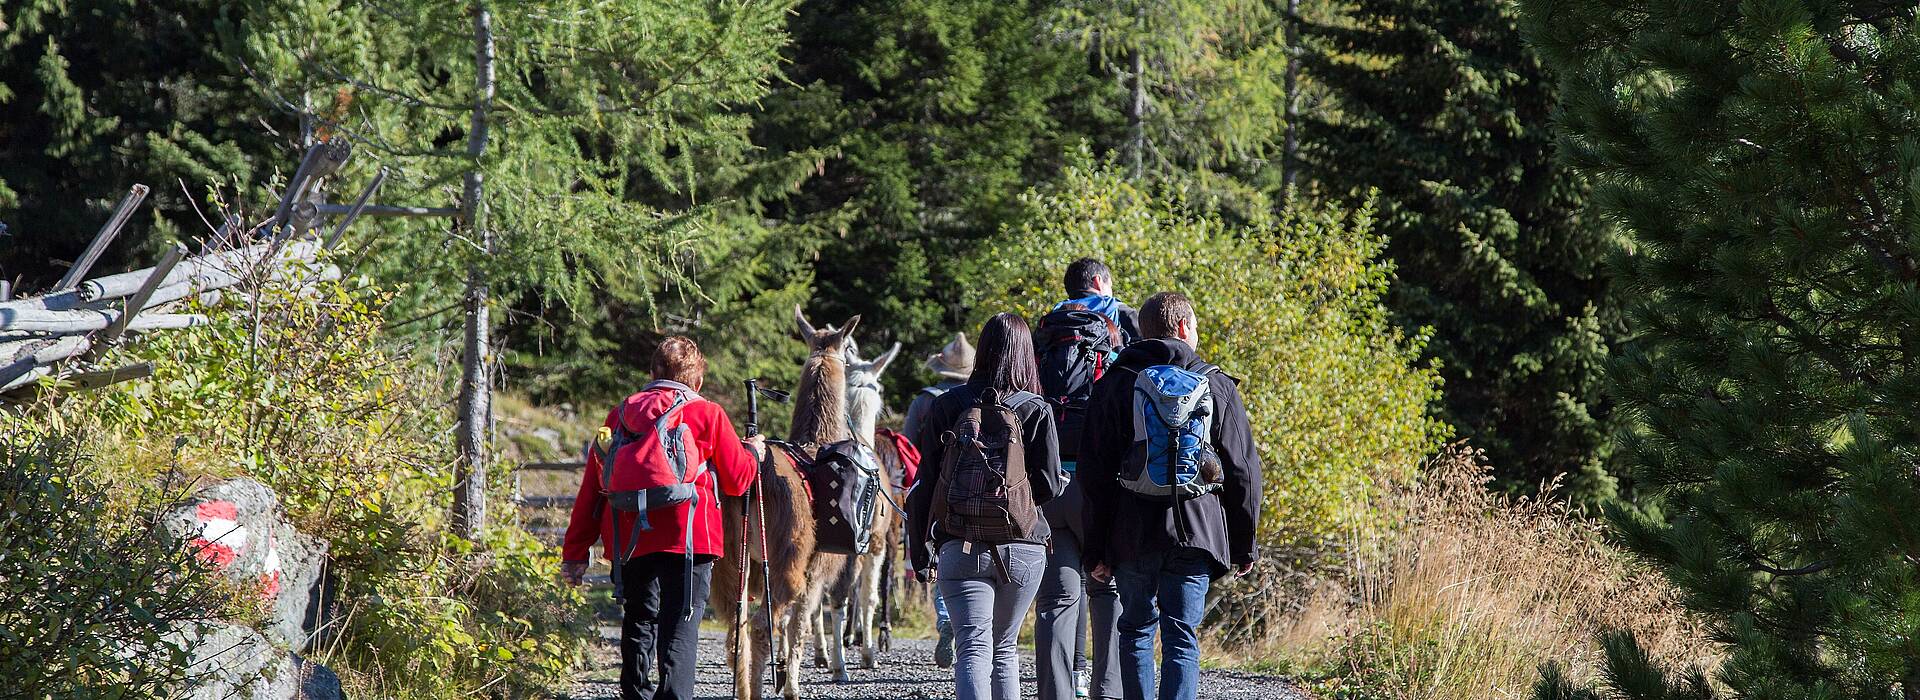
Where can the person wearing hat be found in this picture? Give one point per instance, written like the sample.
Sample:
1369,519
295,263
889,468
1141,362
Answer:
953,364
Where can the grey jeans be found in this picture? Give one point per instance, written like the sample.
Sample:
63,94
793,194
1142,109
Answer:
1065,595
986,606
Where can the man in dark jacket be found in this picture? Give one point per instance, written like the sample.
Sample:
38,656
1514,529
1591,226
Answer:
1090,284
1162,556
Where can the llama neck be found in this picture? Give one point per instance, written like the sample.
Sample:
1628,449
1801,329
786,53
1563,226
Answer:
863,413
820,413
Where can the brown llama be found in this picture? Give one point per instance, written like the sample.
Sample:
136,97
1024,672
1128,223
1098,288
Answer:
801,575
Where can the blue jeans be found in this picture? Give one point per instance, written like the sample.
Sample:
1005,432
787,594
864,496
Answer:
941,623
1166,591
988,604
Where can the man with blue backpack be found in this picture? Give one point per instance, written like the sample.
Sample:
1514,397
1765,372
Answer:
1168,464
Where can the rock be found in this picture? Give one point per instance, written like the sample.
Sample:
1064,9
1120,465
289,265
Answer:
550,438
231,662
238,526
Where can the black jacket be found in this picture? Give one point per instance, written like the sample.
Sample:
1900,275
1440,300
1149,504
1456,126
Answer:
1043,466
1222,523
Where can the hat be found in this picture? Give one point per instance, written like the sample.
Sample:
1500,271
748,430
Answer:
955,361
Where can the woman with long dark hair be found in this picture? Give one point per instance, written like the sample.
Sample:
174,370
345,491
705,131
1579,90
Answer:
989,569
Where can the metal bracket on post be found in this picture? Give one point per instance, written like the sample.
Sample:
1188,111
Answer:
101,240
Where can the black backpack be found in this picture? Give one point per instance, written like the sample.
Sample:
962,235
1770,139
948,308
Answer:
844,482
1072,346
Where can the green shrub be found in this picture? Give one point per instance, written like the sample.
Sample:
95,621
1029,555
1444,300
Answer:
1289,304
306,391
90,593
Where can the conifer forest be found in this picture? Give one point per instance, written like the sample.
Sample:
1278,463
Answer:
1573,336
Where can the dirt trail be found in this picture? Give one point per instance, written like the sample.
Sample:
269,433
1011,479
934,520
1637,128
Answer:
907,673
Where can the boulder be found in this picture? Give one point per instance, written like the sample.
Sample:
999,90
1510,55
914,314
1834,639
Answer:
232,662
238,526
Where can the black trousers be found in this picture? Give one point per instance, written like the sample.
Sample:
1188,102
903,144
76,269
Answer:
662,621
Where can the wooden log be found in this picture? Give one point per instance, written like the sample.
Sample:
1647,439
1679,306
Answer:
219,269
382,210
103,238
214,271
353,212
88,381
83,381
88,320
138,302
38,353
567,466
28,374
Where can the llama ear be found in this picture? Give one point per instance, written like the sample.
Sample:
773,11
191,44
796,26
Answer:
880,363
846,330
800,324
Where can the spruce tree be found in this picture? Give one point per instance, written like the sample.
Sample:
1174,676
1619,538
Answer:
1761,156
930,118
579,132
1441,107
101,94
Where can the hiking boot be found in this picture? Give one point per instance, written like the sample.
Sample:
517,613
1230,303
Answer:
943,650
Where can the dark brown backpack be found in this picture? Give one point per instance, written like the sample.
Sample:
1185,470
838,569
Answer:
983,494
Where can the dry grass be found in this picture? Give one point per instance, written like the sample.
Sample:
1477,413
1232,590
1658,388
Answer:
1471,594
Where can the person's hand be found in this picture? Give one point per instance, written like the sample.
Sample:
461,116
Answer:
573,572
1243,569
924,575
1102,573
758,445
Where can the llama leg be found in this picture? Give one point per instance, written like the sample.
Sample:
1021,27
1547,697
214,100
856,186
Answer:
837,646
817,633
868,605
795,647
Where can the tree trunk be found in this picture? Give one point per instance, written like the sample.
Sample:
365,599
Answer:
1137,97
1290,144
1137,115
476,390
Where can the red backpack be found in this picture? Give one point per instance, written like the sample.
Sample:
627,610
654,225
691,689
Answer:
649,461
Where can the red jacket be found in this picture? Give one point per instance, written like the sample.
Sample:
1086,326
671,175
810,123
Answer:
729,463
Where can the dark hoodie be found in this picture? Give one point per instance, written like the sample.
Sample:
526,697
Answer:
1221,523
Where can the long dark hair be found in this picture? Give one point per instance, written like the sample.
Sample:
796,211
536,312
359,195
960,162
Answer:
1006,361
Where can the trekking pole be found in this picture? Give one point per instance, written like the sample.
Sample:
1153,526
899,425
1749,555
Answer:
759,497
746,526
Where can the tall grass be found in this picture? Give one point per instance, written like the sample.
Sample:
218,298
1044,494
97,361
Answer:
1471,594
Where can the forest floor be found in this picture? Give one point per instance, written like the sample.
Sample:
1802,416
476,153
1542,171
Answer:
906,673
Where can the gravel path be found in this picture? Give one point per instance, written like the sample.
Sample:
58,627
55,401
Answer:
907,673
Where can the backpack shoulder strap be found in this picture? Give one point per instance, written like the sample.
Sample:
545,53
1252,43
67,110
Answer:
1019,398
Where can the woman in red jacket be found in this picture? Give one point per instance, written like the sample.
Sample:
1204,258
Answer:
665,577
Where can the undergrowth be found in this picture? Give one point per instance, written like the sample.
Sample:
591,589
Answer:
1465,599
304,390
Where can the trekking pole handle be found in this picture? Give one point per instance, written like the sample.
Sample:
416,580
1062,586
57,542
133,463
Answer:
753,407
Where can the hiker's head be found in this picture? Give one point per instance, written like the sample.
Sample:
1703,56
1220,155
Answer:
1005,360
1089,276
678,359
1170,315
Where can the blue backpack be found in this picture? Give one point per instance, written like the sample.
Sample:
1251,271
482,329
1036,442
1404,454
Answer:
1172,457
